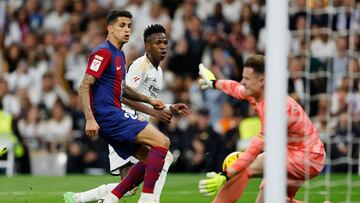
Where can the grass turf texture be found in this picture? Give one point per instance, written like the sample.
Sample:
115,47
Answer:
179,188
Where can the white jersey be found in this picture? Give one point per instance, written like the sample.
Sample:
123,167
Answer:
144,78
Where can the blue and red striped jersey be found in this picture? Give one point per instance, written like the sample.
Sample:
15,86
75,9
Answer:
107,64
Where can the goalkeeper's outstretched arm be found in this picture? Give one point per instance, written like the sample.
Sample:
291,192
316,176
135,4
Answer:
230,87
255,148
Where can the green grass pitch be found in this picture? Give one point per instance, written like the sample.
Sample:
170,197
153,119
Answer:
179,188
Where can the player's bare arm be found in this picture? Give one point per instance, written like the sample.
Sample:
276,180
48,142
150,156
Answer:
180,108
158,114
132,94
92,127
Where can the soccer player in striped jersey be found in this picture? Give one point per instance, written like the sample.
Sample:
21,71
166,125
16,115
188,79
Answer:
305,151
101,92
145,76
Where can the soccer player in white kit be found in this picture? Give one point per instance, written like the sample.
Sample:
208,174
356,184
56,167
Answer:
146,76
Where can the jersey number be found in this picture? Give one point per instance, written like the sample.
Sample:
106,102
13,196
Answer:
129,115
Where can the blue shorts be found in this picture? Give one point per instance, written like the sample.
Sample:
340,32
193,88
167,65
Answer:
120,129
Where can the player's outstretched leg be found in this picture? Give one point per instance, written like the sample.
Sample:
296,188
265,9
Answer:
123,173
90,195
133,179
161,181
69,198
158,161
288,200
154,184
93,194
233,188
260,198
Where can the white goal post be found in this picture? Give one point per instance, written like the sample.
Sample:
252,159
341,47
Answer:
275,97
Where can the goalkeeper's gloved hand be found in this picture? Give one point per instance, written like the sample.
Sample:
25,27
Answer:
207,77
212,183
3,151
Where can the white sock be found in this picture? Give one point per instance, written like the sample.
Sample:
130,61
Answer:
110,198
131,192
94,194
161,181
159,184
146,197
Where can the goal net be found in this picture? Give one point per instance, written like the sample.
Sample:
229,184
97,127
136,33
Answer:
324,76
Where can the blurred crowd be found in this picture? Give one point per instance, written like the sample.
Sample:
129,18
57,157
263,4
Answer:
44,46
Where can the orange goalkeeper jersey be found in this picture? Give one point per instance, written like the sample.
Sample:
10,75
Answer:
302,135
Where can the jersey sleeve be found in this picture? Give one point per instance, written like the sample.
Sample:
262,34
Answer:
246,158
135,75
233,88
98,62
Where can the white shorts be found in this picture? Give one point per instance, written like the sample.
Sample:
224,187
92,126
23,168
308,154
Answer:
117,163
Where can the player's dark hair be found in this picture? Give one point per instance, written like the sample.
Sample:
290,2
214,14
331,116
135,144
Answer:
151,29
256,62
114,14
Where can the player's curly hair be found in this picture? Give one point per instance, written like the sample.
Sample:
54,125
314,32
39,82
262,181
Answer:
256,62
151,29
114,14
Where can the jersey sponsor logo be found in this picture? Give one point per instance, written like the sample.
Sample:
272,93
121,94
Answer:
118,67
95,65
154,91
152,88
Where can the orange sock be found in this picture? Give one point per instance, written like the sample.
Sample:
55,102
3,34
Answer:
233,188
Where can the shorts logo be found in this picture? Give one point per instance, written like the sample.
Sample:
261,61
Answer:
95,65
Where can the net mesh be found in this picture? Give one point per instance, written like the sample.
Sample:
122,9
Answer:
324,78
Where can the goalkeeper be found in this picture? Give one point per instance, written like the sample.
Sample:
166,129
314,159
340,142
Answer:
305,151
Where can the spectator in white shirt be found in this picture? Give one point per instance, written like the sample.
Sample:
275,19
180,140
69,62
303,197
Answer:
56,131
55,20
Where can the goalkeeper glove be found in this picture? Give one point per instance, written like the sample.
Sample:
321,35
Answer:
3,151
207,77
212,183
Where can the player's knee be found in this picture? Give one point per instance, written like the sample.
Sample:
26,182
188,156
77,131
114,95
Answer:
162,141
165,142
